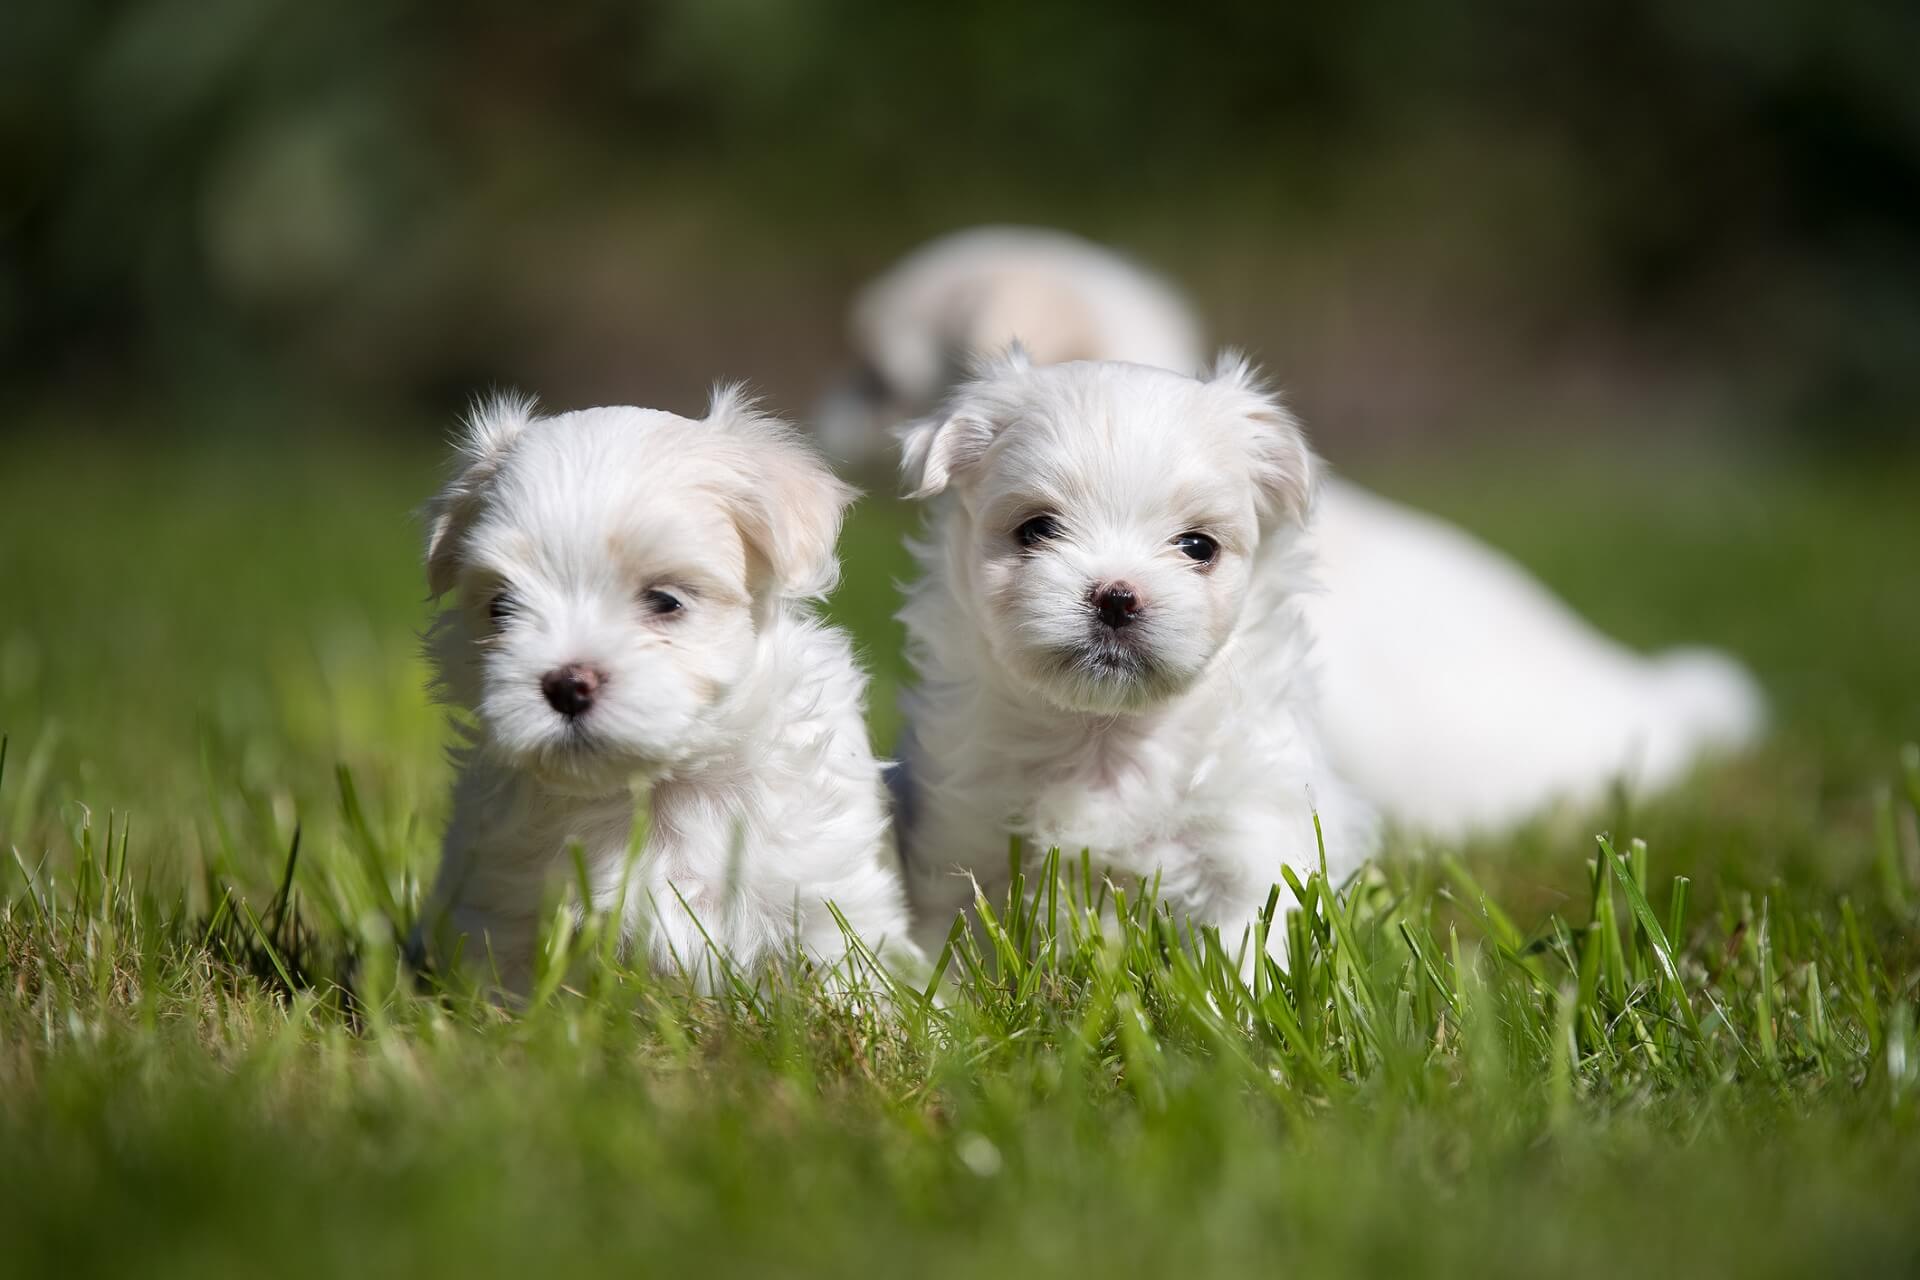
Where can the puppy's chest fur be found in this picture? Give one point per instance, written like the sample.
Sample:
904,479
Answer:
743,849
1210,792
1107,787
748,852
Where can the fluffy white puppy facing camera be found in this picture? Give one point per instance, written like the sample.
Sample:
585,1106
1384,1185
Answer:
628,626
1110,640
1457,693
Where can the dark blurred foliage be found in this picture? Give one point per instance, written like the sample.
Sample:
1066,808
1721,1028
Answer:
1412,208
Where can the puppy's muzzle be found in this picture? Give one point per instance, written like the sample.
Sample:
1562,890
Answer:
1118,604
571,689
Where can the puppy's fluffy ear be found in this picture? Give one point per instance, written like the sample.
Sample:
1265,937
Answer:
788,504
935,450
487,435
1285,472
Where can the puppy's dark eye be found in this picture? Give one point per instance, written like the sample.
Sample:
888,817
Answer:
1197,547
661,603
1036,531
502,607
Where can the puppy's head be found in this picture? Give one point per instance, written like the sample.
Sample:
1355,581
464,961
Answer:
609,572
1108,518
919,326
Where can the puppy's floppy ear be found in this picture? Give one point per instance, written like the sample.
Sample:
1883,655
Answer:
936,449
788,503
933,450
487,435
1285,471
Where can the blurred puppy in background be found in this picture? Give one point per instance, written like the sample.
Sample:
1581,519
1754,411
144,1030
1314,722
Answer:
1457,693
628,626
918,329
1110,643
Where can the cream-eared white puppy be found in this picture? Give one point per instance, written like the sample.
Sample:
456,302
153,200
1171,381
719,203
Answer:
1110,640
628,627
1457,693
920,326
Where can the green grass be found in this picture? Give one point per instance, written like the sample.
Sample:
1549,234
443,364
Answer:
1537,1055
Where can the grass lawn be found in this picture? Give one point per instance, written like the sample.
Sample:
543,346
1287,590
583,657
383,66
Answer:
1526,1057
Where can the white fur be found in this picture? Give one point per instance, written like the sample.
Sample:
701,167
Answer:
918,327
1182,747
1461,695
1456,692
734,721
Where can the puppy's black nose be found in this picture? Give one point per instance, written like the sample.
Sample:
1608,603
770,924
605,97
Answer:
570,689
1117,604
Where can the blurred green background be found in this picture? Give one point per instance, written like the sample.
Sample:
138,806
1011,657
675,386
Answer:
1427,218
1632,290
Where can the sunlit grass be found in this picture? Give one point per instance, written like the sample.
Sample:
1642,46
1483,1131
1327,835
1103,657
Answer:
1677,1034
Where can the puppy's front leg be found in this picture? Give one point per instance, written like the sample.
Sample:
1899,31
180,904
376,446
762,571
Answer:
483,917
944,885
1286,835
507,850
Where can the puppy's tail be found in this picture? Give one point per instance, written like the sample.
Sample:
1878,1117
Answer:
1711,701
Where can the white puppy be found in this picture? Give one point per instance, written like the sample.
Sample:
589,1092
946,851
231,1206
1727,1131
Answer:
1110,640
628,627
920,326
1457,693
